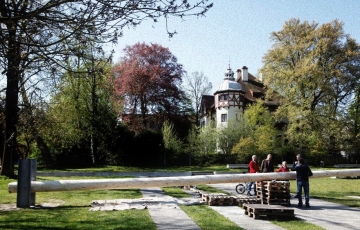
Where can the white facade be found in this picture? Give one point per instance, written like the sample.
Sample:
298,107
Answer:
228,100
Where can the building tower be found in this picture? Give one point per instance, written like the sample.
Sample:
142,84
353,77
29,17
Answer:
228,100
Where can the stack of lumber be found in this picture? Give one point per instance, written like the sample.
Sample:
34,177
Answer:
243,199
257,211
221,199
218,199
274,192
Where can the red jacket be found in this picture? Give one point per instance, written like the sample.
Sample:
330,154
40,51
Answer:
282,169
253,167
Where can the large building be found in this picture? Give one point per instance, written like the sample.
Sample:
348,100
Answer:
231,98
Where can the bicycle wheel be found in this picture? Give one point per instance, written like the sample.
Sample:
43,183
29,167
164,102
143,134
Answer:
240,188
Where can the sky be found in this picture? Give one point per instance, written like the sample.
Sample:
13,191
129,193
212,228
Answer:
236,32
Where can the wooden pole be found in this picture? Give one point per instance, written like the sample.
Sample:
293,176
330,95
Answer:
136,183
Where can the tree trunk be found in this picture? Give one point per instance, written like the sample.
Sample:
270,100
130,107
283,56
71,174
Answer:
11,107
94,112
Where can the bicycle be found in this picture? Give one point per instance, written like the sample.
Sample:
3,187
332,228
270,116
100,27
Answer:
242,187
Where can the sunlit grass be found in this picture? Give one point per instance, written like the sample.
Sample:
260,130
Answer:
175,192
296,224
73,212
70,217
206,218
334,190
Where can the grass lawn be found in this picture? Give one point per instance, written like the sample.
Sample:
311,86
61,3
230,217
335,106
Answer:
341,191
73,212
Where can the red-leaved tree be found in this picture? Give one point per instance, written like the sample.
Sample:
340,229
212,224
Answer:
148,80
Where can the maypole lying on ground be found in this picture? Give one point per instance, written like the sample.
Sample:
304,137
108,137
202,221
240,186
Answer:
137,183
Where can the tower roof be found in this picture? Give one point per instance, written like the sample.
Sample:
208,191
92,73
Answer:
229,83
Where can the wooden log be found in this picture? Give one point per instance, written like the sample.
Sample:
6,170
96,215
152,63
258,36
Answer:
136,183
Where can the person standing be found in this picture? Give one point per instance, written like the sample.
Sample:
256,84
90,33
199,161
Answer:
253,168
302,179
297,162
267,165
283,167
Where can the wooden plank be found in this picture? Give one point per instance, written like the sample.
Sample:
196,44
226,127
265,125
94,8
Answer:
267,207
258,210
220,203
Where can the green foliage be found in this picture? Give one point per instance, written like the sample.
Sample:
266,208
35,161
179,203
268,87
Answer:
351,139
245,148
192,146
83,113
172,144
207,139
229,135
317,150
312,69
257,115
258,134
265,139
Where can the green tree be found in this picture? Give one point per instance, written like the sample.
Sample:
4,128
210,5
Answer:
84,111
314,68
38,31
207,139
245,148
351,142
228,136
173,146
192,145
258,133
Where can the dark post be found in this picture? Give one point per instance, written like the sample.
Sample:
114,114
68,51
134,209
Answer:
26,174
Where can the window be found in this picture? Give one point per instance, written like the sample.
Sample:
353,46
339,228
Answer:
223,97
223,117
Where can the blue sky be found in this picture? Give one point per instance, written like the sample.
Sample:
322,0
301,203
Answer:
237,31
